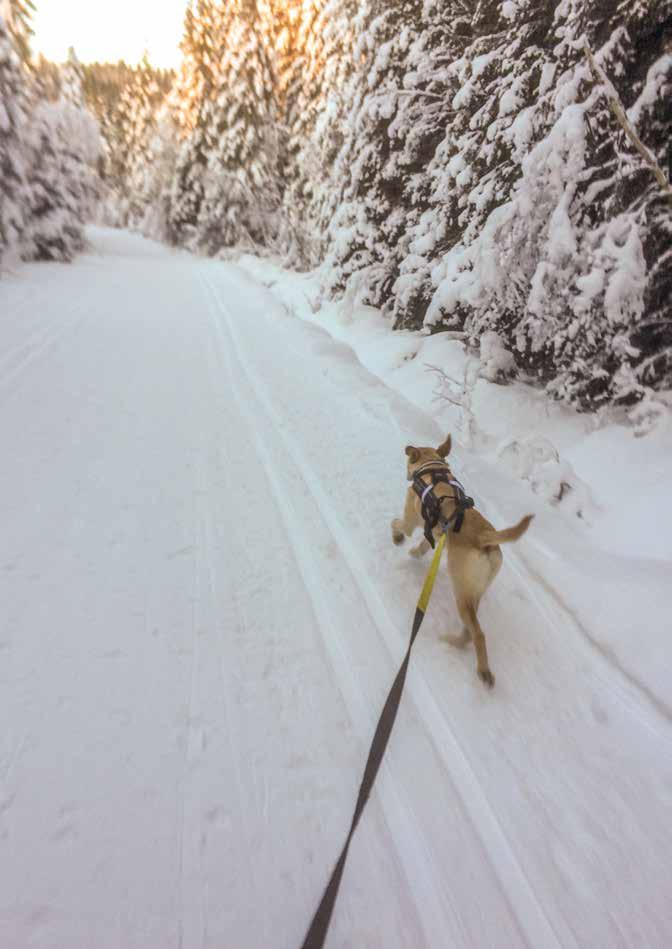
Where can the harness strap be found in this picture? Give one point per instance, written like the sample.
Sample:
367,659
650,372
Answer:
431,504
439,466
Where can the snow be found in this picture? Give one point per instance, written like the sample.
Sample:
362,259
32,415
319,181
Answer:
547,76
608,506
203,612
655,80
496,361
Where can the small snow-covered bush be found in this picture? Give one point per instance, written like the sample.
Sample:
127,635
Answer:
48,153
537,461
63,147
497,363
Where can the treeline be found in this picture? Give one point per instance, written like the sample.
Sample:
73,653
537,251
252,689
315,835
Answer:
126,101
49,148
455,163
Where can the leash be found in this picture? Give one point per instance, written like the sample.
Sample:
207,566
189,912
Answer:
319,926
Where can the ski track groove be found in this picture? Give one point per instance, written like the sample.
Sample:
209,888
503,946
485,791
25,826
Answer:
223,667
188,745
34,330
27,345
206,559
525,905
203,559
521,566
395,812
51,340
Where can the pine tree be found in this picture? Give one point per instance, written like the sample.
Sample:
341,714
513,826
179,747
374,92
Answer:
194,90
158,176
316,106
241,184
46,78
382,150
63,150
127,102
18,15
296,47
13,184
141,101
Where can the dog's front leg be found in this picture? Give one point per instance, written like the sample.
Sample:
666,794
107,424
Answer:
420,549
405,525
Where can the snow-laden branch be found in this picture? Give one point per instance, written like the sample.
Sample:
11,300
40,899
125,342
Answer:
618,111
417,92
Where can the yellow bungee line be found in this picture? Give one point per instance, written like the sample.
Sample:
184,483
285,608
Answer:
428,585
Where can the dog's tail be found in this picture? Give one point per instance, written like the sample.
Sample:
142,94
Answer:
494,538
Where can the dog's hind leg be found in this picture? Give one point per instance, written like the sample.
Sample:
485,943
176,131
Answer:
467,610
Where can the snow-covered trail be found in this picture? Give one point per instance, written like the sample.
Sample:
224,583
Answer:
202,612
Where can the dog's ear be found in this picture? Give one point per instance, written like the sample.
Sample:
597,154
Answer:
444,450
413,454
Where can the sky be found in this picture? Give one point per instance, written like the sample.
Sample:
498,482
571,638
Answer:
108,32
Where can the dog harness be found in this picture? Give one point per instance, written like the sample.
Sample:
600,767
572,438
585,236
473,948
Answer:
431,504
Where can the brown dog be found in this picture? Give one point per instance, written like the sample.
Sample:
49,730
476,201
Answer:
474,557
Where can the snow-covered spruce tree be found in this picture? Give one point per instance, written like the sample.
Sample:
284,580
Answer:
649,343
318,114
46,79
487,66
241,182
370,217
193,95
18,16
140,104
48,150
398,112
13,184
302,78
64,147
158,175
126,101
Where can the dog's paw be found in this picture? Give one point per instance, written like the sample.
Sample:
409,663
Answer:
397,533
457,642
417,552
486,677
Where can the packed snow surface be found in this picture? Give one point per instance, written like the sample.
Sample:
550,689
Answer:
202,612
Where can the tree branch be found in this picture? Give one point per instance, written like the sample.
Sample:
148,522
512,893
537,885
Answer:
618,111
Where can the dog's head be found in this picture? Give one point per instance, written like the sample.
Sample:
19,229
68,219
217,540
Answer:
421,456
